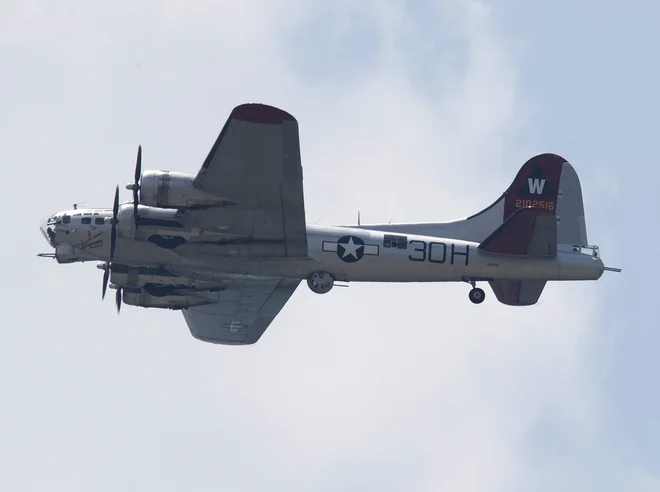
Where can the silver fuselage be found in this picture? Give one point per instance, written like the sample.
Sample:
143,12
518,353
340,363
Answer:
379,259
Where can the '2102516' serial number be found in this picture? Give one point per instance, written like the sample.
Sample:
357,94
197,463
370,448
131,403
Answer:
544,204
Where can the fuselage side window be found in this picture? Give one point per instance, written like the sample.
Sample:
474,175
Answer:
395,241
86,220
98,220
66,219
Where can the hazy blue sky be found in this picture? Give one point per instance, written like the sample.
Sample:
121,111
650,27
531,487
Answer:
408,111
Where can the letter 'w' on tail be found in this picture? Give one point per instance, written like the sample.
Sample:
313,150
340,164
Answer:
536,185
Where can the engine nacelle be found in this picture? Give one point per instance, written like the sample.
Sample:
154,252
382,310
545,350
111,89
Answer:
132,276
165,297
167,189
150,221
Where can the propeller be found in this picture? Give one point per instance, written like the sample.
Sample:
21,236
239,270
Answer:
135,186
113,241
114,222
118,299
106,267
106,276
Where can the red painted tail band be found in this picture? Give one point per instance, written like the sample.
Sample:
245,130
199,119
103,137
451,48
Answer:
536,185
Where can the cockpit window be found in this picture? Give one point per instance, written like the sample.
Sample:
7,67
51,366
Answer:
66,218
86,220
98,220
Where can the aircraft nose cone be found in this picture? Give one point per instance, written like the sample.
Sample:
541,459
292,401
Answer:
48,231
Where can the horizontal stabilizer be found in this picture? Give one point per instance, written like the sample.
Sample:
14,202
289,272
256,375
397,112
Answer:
528,232
518,292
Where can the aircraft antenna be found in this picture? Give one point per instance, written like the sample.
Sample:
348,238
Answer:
359,218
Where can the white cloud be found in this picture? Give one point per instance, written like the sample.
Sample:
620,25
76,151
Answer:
399,386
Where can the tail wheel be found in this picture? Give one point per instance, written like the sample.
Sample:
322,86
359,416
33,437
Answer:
477,295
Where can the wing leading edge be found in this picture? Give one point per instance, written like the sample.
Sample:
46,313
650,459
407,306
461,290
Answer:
243,313
255,162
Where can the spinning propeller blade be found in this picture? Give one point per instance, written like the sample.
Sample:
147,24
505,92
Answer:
115,220
118,299
136,184
113,231
106,276
113,242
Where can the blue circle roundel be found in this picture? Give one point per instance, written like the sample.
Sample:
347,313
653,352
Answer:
350,249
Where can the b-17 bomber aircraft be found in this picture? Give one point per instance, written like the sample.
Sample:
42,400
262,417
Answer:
229,246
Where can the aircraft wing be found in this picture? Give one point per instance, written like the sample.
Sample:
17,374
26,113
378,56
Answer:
242,313
255,162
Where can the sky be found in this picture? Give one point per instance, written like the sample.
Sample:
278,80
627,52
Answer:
408,111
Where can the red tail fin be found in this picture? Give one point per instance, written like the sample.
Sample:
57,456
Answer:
528,232
536,185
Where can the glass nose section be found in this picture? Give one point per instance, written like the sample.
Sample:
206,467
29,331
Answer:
47,227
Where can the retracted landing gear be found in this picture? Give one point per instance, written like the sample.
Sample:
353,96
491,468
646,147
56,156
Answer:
320,282
166,242
476,295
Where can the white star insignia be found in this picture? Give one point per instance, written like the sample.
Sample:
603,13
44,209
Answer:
350,248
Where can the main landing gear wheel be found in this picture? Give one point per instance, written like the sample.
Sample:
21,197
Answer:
320,282
477,295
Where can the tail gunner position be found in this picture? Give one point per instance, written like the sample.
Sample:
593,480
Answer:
229,246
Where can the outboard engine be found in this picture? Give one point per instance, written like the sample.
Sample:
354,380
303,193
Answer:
165,297
167,189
